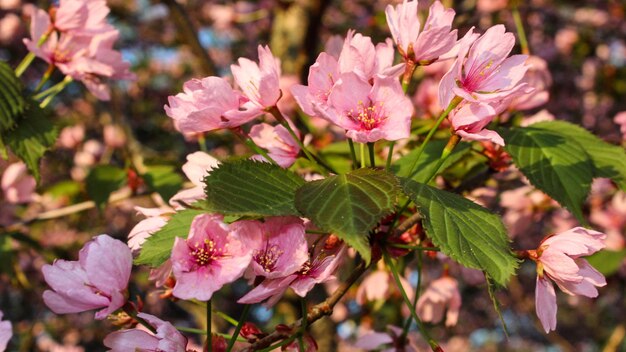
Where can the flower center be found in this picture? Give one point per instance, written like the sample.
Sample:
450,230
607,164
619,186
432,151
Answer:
368,116
268,257
306,268
204,253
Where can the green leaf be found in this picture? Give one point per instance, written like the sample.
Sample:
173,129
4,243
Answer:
428,160
607,262
104,180
252,188
349,205
552,162
12,103
164,180
464,231
158,247
32,137
608,160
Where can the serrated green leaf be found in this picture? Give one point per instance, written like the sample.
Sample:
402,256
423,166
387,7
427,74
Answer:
349,205
32,137
102,181
252,188
607,262
554,163
164,180
12,103
463,230
428,160
158,247
608,160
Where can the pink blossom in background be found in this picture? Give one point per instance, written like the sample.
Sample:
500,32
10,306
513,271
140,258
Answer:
10,28
541,115
18,186
198,165
369,113
82,16
155,219
559,259
523,206
482,71
97,280
612,220
375,341
489,6
114,136
204,105
538,77
84,57
280,145
6,332
71,136
10,4
426,98
380,285
212,256
260,82
620,119
167,338
436,37
278,245
440,295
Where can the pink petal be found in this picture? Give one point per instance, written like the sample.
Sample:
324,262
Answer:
545,303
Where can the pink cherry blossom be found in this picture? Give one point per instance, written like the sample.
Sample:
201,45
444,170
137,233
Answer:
470,119
17,185
559,259
196,168
538,77
440,295
482,71
155,219
434,40
260,82
612,219
379,285
205,105
369,113
280,145
6,332
71,136
322,76
375,341
81,16
360,56
278,245
620,119
97,280
489,6
314,271
84,57
213,255
11,29
114,136
167,338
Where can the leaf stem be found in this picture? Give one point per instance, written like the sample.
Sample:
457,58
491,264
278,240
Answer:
389,155
418,288
453,104
28,59
394,271
362,147
447,150
45,78
353,154
521,33
52,92
209,327
244,138
242,320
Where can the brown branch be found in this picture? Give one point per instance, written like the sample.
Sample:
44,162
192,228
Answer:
315,313
312,37
190,36
407,224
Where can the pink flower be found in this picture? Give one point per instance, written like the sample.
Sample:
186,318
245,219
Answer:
6,332
440,295
470,119
206,105
167,338
81,16
84,57
114,136
369,113
375,341
280,145
322,76
278,245
71,136
489,6
620,119
212,256
260,82
434,40
559,259
538,77
320,269
482,71
155,219
379,285
360,56
97,280
17,185
196,168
